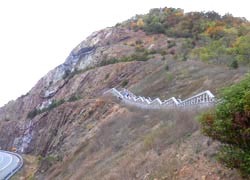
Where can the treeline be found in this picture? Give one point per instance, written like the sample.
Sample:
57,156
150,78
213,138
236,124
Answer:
221,39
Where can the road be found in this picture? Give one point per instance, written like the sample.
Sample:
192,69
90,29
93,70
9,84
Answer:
10,163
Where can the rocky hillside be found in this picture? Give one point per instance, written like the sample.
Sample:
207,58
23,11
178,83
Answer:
77,133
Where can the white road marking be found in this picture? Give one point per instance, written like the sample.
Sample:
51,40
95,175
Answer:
1,158
10,163
11,158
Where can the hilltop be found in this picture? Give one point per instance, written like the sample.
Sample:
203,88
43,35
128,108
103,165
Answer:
75,132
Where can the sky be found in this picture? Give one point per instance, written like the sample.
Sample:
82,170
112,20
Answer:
37,35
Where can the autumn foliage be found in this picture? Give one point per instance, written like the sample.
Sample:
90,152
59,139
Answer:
218,39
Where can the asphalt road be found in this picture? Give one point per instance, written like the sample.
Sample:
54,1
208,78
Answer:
9,163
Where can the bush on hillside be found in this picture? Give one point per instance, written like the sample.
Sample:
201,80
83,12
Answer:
229,123
241,48
234,64
141,55
54,104
124,83
73,98
33,113
214,37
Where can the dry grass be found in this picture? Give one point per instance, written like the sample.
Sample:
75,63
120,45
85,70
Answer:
166,133
186,79
28,170
132,143
148,157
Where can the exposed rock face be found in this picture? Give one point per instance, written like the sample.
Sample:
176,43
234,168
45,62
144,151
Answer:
87,54
65,110
55,84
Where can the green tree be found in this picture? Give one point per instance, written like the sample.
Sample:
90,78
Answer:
153,24
229,123
241,48
124,83
234,64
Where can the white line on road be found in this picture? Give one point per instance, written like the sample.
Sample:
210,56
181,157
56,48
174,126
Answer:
10,164
1,157
11,158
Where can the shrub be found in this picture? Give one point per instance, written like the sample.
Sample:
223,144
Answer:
163,52
241,49
54,104
138,41
139,49
90,126
166,67
171,44
183,57
68,74
234,64
235,157
141,55
107,76
46,162
33,113
109,61
229,123
154,28
73,98
124,83
169,76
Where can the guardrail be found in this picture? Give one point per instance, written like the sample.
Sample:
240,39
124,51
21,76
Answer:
203,98
20,165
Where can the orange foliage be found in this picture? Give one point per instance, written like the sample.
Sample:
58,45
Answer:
133,25
209,118
179,14
99,103
140,23
215,31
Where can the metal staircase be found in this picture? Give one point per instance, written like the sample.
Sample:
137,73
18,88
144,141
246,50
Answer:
203,98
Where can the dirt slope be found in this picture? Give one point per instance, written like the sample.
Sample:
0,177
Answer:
76,133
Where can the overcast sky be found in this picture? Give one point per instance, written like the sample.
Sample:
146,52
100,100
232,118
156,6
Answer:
38,35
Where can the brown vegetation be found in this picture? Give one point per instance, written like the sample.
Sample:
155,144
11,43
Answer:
132,143
93,137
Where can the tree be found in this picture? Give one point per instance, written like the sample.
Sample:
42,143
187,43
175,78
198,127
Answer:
234,64
212,15
229,123
140,23
216,32
241,48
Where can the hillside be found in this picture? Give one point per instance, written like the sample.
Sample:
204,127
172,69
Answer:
75,132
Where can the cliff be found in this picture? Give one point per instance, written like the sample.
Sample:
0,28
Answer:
80,134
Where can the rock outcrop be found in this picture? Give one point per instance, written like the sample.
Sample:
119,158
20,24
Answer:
65,115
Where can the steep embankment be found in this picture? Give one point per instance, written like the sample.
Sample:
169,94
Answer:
129,143
81,135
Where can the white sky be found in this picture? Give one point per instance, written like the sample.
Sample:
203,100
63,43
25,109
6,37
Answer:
38,35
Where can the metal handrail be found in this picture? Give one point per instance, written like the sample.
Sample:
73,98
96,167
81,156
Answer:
205,97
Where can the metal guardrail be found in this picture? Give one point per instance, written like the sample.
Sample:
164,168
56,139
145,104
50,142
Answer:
203,98
20,165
